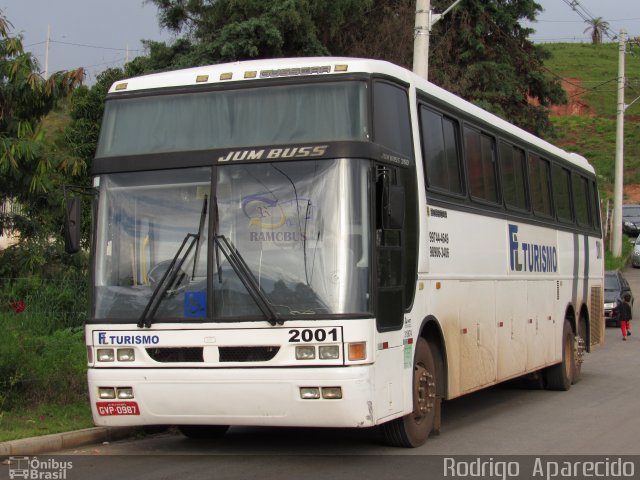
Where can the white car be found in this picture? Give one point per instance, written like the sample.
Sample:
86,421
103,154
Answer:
635,257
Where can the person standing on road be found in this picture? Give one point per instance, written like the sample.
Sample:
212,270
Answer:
625,316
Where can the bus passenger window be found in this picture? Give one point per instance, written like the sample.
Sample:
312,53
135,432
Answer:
440,151
581,200
481,165
562,193
595,205
514,180
540,193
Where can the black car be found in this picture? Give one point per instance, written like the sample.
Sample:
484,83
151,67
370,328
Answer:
615,287
631,220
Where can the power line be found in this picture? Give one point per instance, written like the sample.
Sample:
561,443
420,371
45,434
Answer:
60,42
588,17
94,46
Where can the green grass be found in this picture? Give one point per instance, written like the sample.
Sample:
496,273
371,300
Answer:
595,139
44,419
43,386
618,263
595,67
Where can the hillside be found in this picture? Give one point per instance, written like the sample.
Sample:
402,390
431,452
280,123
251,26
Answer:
587,125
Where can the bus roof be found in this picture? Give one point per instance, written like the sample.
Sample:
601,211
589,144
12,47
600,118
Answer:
315,66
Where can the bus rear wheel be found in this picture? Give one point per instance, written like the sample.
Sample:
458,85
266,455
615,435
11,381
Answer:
580,347
413,429
203,432
560,376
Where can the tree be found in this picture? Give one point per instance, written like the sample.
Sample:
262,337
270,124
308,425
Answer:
481,52
30,166
597,26
25,98
229,30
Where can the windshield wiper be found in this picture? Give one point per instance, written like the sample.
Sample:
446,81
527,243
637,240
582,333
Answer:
247,278
174,270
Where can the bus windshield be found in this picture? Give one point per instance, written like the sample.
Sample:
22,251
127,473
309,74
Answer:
301,229
310,112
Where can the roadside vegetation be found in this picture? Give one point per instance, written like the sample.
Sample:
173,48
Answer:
43,361
592,71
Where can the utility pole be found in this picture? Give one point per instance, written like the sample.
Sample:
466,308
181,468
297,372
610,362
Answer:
616,249
421,38
46,53
425,20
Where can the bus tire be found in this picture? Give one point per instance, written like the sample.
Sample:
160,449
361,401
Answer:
560,376
203,432
413,429
580,347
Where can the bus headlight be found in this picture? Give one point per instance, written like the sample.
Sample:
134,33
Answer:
309,393
329,352
126,355
105,355
305,352
125,393
332,393
106,393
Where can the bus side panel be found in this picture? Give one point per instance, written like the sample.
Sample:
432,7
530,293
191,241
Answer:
540,324
477,334
390,381
511,324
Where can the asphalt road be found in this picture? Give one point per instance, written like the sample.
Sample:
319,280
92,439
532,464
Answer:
598,416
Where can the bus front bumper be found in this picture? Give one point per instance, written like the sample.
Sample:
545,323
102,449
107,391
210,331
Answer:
260,397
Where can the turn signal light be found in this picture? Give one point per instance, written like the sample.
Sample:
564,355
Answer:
358,351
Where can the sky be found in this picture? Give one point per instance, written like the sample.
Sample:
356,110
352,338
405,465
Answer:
95,34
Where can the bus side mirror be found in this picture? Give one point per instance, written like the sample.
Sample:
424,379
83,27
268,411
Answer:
393,218
72,225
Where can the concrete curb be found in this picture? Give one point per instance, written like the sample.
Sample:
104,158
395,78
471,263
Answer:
63,441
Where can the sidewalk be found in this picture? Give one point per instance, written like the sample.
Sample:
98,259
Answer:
62,441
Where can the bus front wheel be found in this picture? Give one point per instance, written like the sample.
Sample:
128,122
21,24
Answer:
413,429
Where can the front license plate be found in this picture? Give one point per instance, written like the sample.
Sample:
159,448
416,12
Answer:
117,408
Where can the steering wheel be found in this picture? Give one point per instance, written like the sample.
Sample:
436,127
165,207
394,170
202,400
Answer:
179,284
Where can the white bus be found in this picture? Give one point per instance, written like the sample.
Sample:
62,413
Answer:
329,242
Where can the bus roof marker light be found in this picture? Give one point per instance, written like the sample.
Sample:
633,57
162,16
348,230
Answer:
202,78
341,68
251,74
121,86
226,76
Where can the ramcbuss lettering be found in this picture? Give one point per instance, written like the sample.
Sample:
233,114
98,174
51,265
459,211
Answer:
276,237
531,257
104,338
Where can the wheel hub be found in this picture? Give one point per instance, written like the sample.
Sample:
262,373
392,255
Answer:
426,392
